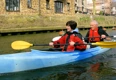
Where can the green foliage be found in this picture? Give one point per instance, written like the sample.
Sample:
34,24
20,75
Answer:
101,13
99,18
85,19
50,22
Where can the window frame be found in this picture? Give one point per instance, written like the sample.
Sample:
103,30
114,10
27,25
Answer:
12,5
58,7
29,3
47,4
68,6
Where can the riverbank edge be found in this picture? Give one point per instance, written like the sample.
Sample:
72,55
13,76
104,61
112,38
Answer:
10,24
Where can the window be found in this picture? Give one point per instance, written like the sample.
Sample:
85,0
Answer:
29,3
47,4
12,5
58,6
68,6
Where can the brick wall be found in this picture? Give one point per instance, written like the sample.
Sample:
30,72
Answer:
38,8
2,6
51,11
24,10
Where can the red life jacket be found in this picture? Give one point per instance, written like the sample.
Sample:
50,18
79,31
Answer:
65,39
94,35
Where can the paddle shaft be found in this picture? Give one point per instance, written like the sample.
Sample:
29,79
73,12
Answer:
98,36
97,44
49,45
40,44
58,44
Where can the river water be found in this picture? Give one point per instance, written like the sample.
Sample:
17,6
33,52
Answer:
100,67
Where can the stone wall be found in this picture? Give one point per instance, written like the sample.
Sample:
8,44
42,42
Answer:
29,11
39,18
38,8
51,10
24,10
2,7
37,23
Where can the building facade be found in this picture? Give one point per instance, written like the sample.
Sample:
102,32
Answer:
80,6
57,7
37,7
101,6
113,8
108,6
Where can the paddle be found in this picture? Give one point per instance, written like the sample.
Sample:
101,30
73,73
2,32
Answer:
19,45
98,37
58,37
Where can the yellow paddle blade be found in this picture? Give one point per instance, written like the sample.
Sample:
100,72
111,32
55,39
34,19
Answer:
105,44
109,46
18,45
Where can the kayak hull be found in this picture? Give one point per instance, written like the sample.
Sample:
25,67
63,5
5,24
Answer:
37,59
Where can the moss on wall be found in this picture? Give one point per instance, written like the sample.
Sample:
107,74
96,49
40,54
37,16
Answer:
30,23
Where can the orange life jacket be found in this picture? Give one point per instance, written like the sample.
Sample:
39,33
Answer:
94,35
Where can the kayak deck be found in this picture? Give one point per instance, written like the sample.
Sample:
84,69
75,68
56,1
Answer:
39,59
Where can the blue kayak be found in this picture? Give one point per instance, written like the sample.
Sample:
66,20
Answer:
37,59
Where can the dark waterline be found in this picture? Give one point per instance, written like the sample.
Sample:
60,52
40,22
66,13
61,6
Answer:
74,71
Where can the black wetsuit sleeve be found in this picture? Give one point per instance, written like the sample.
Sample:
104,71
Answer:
102,32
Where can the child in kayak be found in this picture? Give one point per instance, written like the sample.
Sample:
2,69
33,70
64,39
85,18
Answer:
71,40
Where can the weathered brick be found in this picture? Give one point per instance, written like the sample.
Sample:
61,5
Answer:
38,8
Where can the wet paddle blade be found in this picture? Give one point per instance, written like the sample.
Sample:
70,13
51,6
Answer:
105,44
109,46
19,45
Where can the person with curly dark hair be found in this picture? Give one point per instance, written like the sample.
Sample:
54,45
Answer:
72,39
